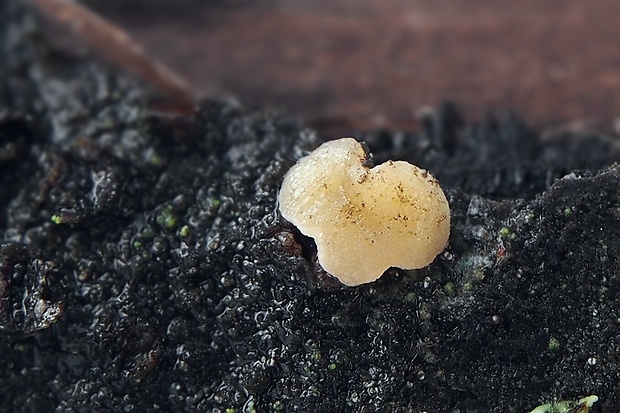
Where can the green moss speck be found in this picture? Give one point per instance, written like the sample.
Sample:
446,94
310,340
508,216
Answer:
147,233
568,211
277,406
56,219
554,344
156,160
167,218
215,203
506,233
184,231
449,289
565,406
314,391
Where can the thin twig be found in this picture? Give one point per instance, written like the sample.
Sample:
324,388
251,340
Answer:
116,45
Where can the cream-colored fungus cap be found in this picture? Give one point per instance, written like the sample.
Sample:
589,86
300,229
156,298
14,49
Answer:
365,220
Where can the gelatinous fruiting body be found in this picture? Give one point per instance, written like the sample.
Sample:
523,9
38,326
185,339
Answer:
365,220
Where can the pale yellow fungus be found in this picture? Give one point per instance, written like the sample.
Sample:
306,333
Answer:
365,220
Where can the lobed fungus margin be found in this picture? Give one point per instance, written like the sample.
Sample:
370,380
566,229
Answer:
365,219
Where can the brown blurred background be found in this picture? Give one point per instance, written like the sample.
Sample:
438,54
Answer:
361,64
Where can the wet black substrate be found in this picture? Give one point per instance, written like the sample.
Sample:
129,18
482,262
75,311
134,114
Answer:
144,266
